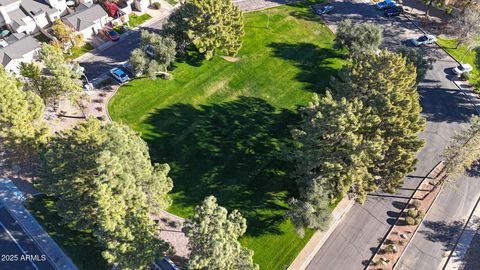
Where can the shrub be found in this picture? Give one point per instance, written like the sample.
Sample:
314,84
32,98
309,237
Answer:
416,203
417,220
410,221
465,76
390,249
421,214
157,5
412,213
449,10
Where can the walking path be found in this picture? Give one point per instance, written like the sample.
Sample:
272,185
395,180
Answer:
456,260
318,239
12,198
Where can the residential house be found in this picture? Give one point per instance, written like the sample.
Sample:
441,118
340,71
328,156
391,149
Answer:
87,19
18,48
24,16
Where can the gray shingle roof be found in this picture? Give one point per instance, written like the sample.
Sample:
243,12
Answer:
85,16
16,49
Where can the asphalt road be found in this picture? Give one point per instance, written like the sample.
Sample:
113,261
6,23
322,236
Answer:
446,110
17,249
99,63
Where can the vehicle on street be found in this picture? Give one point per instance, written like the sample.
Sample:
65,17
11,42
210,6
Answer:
395,11
386,4
119,75
110,34
459,70
324,10
424,40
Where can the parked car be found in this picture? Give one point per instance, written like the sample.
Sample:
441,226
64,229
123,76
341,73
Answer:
126,66
110,34
423,40
386,4
462,69
395,11
119,75
148,49
167,264
324,10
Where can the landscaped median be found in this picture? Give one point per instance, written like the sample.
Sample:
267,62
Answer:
409,220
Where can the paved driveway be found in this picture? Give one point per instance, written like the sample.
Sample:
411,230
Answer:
446,110
99,63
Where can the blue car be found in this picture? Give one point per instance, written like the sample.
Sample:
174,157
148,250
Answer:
119,75
386,4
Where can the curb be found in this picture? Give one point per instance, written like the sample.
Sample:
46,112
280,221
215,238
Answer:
398,218
455,59
418,227
461,234
303,259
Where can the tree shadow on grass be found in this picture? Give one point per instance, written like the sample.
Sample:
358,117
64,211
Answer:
228,150
314,63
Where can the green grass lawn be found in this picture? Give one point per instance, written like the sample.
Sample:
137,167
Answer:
81,247
459,53
220,124
136,20
76,52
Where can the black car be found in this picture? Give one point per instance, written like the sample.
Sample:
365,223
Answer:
395,11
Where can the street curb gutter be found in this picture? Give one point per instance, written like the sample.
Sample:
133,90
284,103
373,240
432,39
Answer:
305,256
449,264
419,225
399,216
455,59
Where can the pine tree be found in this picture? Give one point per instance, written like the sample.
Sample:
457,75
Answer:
22,129
386,85
208,25
213,238
332,159
63,80
104,181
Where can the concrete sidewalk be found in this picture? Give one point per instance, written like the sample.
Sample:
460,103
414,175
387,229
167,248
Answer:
305,256
12,198
456,259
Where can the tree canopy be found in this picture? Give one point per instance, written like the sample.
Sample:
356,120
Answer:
416,57
156,51
209,25
358,37
386,85
104,181
213,238
22,129
63,79
466,25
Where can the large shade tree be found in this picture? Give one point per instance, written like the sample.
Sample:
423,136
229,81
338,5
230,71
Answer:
209,25
22,129
466,25
213,238
104,181
386,85
358,37
332,157
63,79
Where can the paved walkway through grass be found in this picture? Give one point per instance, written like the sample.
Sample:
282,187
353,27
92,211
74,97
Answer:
12,199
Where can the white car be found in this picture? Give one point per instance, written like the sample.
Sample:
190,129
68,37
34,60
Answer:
423,40
462,69
324,10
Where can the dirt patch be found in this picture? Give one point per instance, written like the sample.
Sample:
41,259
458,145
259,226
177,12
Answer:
231,58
